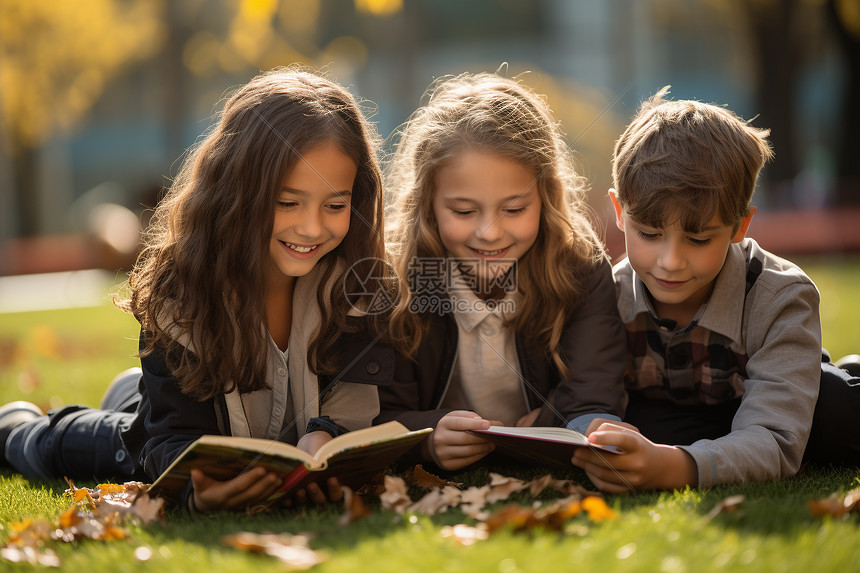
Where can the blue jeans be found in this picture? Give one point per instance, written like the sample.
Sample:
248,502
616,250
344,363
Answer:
80,442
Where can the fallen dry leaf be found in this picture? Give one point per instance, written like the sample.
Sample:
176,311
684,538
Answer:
852,500
129,499
830,506
728,505
419,477
473,500
395,497
501,487
94,514
567,487
376,486
556,515
553,517
514,517
437,500
148,509
292,550
105,488
354,508
836,505
70,518
536,486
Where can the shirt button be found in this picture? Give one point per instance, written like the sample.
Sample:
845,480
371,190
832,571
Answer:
120,455
488,329
678,358
372,367
281,372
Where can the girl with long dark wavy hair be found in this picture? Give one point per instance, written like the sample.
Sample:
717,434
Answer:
241,291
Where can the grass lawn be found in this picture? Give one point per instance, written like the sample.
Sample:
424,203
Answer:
68,356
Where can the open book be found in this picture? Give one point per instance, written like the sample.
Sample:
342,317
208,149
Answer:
354,458
546,445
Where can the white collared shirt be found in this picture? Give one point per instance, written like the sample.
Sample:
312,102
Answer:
486,376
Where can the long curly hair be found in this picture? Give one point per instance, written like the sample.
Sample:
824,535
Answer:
500,115
197,286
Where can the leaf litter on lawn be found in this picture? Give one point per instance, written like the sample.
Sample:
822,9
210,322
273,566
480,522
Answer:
98,514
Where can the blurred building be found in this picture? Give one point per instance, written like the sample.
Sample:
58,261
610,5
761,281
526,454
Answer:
595,60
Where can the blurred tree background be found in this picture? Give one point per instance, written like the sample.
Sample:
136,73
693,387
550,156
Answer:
99,98
56,59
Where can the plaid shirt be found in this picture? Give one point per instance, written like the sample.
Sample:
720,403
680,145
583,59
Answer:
758,337
705,362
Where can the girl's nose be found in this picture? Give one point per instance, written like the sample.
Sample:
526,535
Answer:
490,229
310,224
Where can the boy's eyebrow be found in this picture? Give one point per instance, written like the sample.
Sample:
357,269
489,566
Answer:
697,231
345,193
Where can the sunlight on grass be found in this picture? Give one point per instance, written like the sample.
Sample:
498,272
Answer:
58,357
837,280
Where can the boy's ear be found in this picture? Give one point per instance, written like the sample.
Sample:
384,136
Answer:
741,233
619,210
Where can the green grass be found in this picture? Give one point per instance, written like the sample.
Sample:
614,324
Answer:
837,279
773,531
58,357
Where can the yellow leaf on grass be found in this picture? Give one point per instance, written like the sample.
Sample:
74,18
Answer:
70,518
19,526
111,488
597,509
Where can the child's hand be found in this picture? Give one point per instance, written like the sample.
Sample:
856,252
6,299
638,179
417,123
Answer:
597,422
529,419
313,441
643,465
452,447
316,495
248,489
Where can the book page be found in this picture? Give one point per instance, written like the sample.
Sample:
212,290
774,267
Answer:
261,446
360,437
552,433
355,464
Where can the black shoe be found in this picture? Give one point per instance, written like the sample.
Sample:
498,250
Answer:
13,415
850,364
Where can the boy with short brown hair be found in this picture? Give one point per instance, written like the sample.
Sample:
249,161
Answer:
724,338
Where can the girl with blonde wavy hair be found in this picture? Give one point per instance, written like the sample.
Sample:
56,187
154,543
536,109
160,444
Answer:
507,310
241,291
